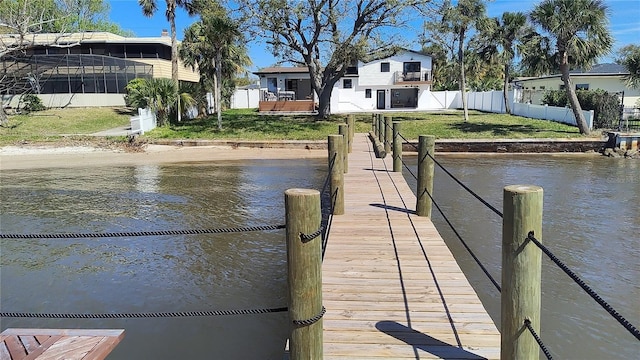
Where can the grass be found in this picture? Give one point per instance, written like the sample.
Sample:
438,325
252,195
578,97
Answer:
55,124
249,125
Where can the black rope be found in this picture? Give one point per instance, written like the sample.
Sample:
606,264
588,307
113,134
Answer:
141,315
409,169
311,321
544,349
308,237
624,322
142,233
408,142
464,243
491,207
327,179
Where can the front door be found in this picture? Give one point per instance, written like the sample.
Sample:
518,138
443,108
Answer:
381,100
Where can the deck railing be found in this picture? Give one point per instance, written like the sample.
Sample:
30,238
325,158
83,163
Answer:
423,76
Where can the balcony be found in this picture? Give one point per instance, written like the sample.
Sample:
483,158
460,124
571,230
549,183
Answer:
412,78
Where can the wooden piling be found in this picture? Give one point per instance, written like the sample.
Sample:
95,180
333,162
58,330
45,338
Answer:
380,133
374,123
521,269
303,216
344,131
426,146
336,176
351,123
387,134
397,147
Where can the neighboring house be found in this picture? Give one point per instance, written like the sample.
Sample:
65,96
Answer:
399,82
608,77
88,69
285,89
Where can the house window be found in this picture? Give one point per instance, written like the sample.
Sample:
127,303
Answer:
542,87
582,86
384,67
562,87
367,93
347,84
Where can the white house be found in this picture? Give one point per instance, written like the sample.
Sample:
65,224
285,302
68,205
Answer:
399,82
608,77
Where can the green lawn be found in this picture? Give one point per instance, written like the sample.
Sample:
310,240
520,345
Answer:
52,125
249,125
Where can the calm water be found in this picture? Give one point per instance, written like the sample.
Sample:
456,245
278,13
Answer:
591,221
154,274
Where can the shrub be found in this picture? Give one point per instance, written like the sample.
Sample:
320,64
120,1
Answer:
32,103
605,106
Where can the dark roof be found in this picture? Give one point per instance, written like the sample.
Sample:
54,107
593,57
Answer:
282,70
597,70
602,69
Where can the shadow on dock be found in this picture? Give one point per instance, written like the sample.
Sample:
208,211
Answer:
424,342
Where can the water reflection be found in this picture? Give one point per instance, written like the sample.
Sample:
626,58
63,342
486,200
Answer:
154,274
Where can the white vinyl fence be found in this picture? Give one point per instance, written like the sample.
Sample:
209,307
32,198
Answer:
245,99
144,121
545,112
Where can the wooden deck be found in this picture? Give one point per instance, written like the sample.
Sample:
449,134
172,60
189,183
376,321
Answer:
391,287
49,344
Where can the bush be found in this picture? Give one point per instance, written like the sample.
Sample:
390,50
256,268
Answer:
32,103
605,106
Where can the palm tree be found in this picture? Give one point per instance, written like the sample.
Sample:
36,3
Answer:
158,94
214,44
149,7
579,28
461,19
630,59
500,39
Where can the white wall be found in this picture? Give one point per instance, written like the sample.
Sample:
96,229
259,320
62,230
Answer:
245,99
72,100
370,74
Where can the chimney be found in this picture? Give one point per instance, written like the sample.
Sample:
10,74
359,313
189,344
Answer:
165,33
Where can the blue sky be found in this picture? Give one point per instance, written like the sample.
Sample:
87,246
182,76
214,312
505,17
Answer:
624,23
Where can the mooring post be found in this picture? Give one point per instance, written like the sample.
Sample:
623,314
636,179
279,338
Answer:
426,147
351,122
344,131
387,134
303,216
336,175
397,147
374,123
380,128
521,269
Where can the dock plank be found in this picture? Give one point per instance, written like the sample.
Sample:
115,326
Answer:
391,286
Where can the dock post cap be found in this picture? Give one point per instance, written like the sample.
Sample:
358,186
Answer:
300,192
522,189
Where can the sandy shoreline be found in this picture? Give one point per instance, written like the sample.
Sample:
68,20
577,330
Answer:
16,157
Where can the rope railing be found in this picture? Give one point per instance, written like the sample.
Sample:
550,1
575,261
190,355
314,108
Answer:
141,315
545,351
608,308
143,233
473,193
423,189
457,233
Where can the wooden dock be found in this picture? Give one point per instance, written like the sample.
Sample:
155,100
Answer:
391,286
50,344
